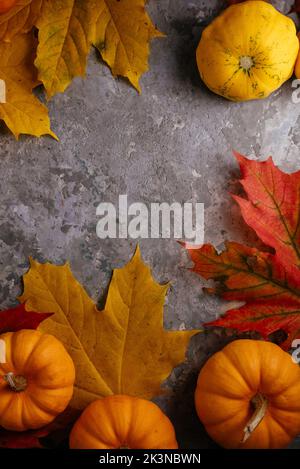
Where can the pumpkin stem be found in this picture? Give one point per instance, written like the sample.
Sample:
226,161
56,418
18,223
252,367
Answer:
246,62
17,383
260,404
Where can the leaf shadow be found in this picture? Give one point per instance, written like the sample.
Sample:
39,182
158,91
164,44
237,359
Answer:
101,301
188,31
4,130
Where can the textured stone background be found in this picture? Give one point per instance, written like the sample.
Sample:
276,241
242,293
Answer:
172,143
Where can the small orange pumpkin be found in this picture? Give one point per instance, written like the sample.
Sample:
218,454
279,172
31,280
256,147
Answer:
248,396
123,422
36,380
6,5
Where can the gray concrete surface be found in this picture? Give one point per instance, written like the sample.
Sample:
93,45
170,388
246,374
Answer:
172,143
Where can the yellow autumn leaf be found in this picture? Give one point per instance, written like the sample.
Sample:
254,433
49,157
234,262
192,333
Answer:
123,349
65,35
120,29
22,112
123,32
20,19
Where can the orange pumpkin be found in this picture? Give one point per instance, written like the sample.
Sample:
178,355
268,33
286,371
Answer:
36,380
6,5
123,422
248,396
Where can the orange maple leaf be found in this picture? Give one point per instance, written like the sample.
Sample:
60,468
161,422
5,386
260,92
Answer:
267,283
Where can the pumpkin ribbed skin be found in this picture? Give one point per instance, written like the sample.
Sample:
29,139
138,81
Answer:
123,422
6,5
232,377
248,51
49,371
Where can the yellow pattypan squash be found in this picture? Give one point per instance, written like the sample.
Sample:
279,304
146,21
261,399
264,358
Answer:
297,65
248,51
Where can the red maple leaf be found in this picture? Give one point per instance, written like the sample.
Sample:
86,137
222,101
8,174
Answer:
296,6
272,207
56,432
233,2
267,283
29,439
18,318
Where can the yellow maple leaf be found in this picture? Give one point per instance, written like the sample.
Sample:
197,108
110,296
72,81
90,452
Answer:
120,29
20,19
65,35
123,32
123,349
22,112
